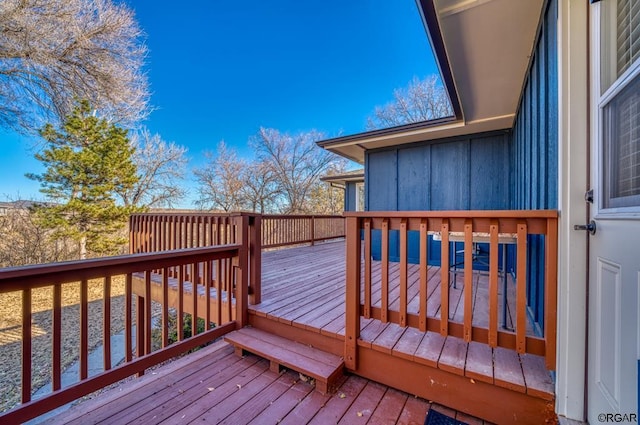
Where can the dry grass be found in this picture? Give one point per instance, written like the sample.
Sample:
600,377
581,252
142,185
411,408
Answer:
42,302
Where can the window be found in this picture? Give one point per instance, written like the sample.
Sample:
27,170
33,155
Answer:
620,38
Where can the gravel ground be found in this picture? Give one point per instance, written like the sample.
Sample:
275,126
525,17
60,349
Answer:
42,301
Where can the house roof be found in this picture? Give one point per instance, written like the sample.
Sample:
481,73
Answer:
483,49
350,176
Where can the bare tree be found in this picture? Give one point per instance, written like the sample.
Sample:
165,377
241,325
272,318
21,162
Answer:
421,100
220,182
296,161
55,52
261,188
160,167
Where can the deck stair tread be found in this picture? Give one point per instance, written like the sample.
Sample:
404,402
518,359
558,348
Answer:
325,368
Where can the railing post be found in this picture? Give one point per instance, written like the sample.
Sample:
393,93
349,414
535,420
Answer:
242,272
255,259
352,307
313,230
551,292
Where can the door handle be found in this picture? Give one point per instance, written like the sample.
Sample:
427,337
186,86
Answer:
591,227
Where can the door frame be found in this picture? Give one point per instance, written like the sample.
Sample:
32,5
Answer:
573,121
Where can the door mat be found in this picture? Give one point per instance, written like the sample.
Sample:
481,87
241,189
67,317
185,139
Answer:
437,418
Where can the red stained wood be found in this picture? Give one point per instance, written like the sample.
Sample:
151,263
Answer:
116,403
282,407
218,404
106,323
408,343
364,405
384,257
479,365
336,407
536,377
325,368
521,290
57,336
453,356
388,338
84,330
424,288
260,401
507,371
414,412
551,291
493,283
428,352
390,408
306,409
468,279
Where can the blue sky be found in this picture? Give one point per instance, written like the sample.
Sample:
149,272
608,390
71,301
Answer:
221,69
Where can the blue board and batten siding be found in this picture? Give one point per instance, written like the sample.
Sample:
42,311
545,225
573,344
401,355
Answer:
513,169
462,173
350,196
535,150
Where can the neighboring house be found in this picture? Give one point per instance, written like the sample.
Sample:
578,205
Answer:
546,101
352,183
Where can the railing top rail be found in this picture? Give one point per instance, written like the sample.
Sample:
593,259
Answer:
231,214
301,216
189,214
16,278
457,214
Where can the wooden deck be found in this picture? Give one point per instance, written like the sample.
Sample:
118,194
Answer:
303,299
215,386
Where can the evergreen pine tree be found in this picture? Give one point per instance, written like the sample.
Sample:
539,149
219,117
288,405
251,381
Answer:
87,161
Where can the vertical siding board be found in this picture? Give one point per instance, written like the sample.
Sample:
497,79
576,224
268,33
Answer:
535,151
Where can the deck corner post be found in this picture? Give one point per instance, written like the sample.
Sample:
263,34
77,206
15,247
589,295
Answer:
242,272
255,259
352,306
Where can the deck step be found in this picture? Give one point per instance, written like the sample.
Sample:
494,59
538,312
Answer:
325,368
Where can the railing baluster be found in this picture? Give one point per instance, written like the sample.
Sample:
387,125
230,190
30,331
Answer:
56,337
493,282
180,321
403,273
444,278
219,283
367,268
424,258
468,279
165,307
147,312
194,300
521,289
128,320
26,345
206,271
106,322
84,329
384,301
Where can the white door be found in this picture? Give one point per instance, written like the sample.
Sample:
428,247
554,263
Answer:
614,250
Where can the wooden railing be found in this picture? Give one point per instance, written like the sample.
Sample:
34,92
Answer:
283,230
492,226
228,312
156,232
